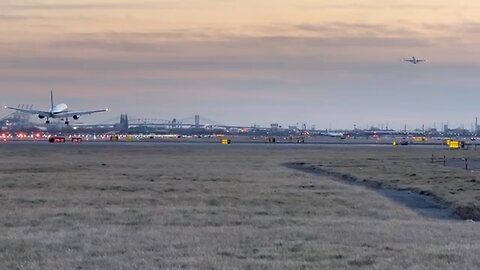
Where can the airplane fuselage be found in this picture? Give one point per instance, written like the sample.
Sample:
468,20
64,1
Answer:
60,108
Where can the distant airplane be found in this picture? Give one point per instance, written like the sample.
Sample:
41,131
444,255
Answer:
332,134
57,111
414,60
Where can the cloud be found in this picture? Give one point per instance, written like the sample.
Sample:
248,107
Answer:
340,28
5,18
201,55
376,5
200,41
39,19
84,5
348,41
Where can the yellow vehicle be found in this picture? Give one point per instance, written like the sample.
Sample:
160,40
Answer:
455,144
420,139
225,141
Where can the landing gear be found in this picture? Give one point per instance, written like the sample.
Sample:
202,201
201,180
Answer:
66,122
47,122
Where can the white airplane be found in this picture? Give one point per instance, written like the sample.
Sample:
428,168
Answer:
332,134
57,111
414,60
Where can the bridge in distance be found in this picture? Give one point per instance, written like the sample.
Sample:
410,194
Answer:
195,121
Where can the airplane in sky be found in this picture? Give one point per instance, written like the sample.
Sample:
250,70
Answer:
57,111
414,60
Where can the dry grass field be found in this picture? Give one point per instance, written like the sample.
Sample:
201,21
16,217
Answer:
197,206
410,168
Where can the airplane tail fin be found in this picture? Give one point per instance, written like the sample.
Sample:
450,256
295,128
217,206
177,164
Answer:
52,104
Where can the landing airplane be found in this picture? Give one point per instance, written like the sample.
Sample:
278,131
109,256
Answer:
414,60
57,111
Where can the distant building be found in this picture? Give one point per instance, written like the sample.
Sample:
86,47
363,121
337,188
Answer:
274,126
122,127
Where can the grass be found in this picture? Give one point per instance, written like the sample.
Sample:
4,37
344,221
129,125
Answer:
144,206
412,169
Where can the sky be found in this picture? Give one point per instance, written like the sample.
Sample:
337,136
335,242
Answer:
331,64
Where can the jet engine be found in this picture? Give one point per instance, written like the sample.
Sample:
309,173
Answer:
41,116
76,117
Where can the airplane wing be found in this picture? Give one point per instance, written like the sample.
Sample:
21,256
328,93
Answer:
71,114
42,113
